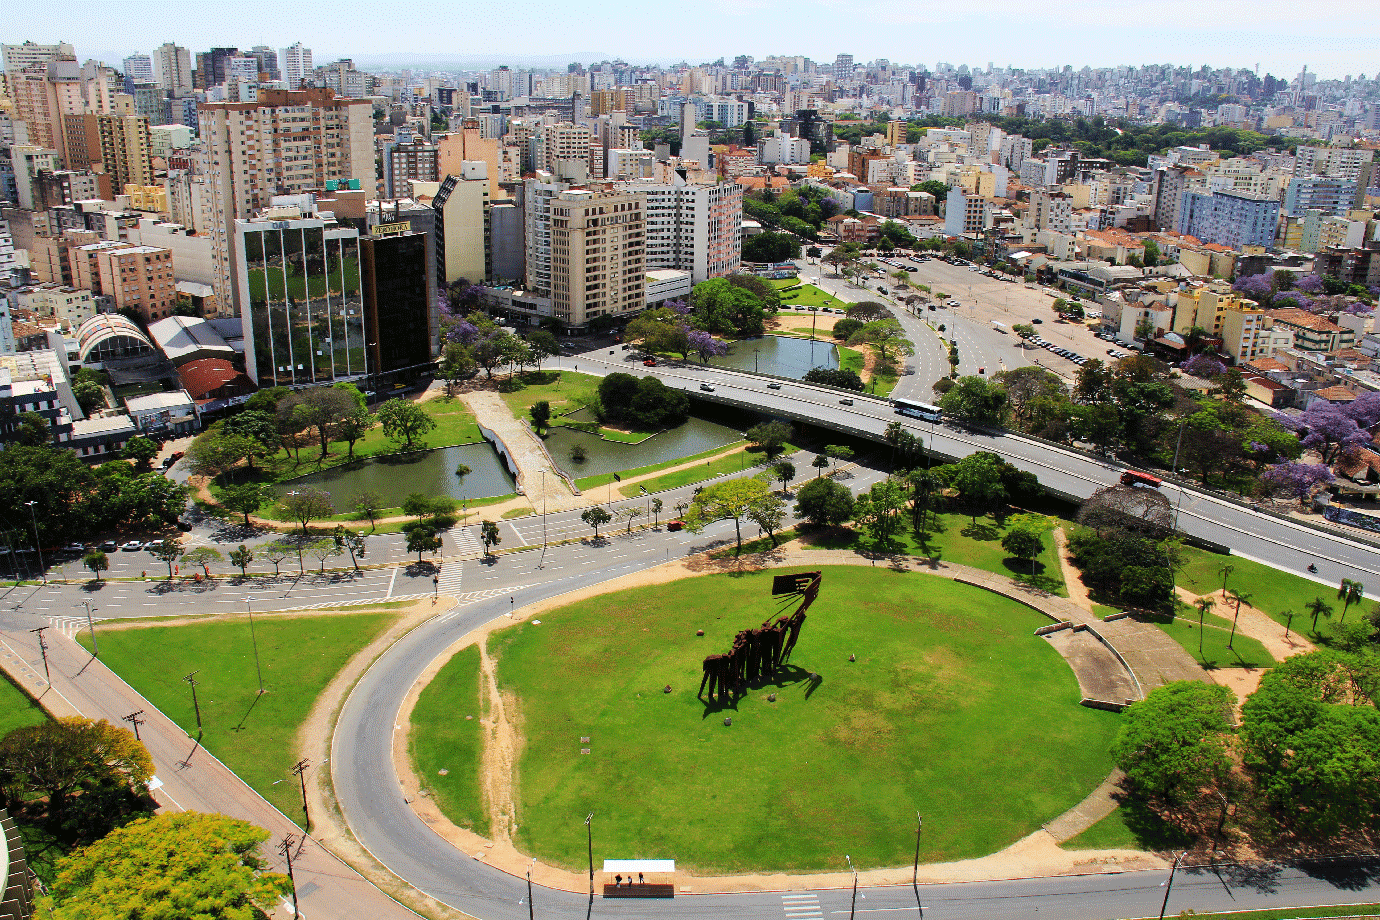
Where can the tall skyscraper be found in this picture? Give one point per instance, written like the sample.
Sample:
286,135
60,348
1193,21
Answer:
843,68
137,68
598,265
692,228
267,59
172,68
286,143
295,64
213,67
17,57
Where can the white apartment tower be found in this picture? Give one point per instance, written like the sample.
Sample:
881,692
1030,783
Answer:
285,143
138,67
172,68
597,260
295,64
691,227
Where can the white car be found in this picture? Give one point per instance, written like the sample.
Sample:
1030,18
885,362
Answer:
953,303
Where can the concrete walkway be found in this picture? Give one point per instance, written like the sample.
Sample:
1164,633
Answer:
526,450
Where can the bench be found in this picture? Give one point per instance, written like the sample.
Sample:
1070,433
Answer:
646,890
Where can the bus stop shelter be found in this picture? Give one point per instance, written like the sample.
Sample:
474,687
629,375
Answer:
639,878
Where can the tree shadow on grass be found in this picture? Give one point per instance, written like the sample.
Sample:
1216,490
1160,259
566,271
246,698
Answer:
1037,576
1151,830
980,530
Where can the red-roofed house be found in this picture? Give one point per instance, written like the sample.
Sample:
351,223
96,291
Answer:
214,378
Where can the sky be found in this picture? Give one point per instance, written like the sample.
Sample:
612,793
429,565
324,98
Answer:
1333,39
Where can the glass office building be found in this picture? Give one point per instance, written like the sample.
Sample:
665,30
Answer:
303,305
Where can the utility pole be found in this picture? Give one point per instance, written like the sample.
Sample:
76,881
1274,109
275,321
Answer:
1169,885
33,517
853,909
191,679
300,768
91,627
531,908
589,834
43,650
255,640
133,719
286,846
915,875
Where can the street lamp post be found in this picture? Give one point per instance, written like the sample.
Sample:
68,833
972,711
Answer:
853,908
589,835
531,909
1169,885
33,517
254,639
91,627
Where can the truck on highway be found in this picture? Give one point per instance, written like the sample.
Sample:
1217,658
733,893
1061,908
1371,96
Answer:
1000,327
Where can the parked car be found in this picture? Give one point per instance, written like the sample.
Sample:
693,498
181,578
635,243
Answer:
1037,321
131,546
74,549
109,546
675,525
649,362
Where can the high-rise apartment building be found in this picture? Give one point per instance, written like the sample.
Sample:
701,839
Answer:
137,278
1233,219
43,94
461,206
691,227
295,64
172,68
414,159
120,144
267,60
15,58
843,68
565,151
137,68
213,67
1329,194
287,142
598,265
539,195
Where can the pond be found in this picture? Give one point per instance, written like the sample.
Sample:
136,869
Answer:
695,436
431,472
780,356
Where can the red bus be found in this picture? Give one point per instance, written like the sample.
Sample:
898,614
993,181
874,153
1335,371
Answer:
1144,480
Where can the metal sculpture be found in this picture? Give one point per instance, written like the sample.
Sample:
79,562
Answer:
758,654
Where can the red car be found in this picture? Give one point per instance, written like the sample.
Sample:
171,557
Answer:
650,362
675,525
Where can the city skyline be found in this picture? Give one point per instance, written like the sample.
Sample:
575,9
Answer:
1281,39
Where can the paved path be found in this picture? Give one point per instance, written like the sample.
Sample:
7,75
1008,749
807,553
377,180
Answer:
526,450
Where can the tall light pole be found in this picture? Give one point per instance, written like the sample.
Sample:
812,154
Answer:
531,909
33,517
543,520
853,909
1169,885
589,835
254,639
91,627
1175,471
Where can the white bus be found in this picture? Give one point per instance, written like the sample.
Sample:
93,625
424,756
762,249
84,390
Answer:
923,411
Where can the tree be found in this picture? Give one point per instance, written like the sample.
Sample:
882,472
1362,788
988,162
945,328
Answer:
886,337
240,557
769,436
369,503
596,517
770,247
834,377
322,550
1349,593
167,552
731,500
630,513
783,472
140,451
1297,480
820,463
1024,540
721,307
824,503
978,480
205,866
488,534
305,505
657,505
218,451
543,345
422,539
33,430
354,424
275,552
96,561
879,510
838,452
768,514
1319,608
541,414
318,408
404,421
245,499
203,556
1176,741
89,394
1204,605
56,759
457,363
351,541
705,345
975,401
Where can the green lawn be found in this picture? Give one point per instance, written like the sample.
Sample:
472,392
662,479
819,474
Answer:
951,707
452,742
255,736
955,538
1244,653
600,479
1294,913
732,463
1129,828
562,389
1273,591
810,296
16,708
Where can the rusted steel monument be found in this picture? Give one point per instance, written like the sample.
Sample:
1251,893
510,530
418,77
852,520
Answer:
759,653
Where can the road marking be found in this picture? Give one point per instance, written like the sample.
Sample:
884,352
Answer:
452,576
391,580
474,597
800,905
522,541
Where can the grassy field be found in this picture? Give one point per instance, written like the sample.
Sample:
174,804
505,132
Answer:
562,389
1273,591
956,539
807,295
951,707
452,742
1294,913
16,708
1129,828
254,735
600,479
734,462
1244,653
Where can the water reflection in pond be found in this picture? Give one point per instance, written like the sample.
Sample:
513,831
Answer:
779,356
695,436
395,477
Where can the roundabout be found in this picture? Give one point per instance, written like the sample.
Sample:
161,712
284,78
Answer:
950,705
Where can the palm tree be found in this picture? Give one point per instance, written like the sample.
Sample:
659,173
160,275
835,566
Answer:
1225,571
1204,604
1318,607
1239,597
1350,593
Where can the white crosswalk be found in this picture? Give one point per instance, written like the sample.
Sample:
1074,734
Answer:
801,906
474,597
464,540
452,577
70,626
